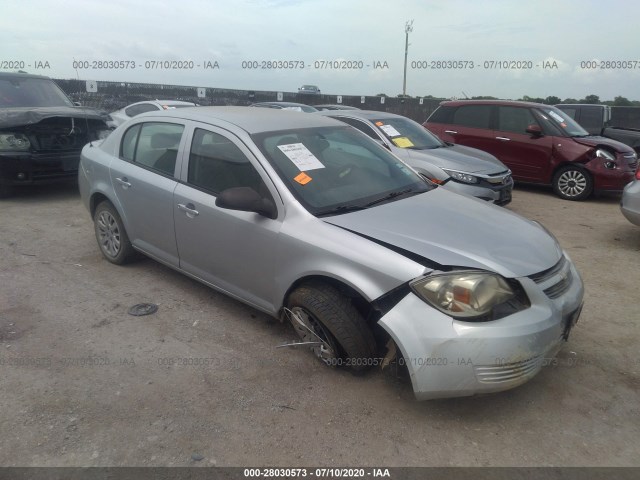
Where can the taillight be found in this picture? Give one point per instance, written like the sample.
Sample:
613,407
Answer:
638,173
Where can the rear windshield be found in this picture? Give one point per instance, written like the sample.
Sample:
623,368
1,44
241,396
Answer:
31,92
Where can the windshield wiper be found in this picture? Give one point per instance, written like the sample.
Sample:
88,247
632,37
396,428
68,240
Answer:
340,210
391,196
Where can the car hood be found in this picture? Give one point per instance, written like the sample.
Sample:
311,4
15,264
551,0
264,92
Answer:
460,158
13,117
595,140
456,230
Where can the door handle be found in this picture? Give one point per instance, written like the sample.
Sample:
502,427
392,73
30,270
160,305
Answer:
124,181
503,138
189,209
450,131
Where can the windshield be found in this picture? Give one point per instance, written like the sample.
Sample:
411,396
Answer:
334,170
563,122
301,108
31,92
405,133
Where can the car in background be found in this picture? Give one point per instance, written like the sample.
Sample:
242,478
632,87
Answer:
120,116
41,131
296,107
596,119
309,90
457,168
308,220
337,106
539,143
630,203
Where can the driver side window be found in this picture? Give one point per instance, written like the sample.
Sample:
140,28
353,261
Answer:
216,164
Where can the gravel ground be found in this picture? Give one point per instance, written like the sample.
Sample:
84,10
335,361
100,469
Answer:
85,384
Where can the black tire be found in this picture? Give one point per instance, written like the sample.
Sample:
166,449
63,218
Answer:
572,183
111,235
340,323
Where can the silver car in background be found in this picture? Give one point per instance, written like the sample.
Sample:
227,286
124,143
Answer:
120,116
458,168
630,203
310,221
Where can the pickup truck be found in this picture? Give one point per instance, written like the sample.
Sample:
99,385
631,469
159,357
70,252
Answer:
596,119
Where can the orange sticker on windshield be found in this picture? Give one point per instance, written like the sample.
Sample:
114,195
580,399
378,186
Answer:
303,178
379,124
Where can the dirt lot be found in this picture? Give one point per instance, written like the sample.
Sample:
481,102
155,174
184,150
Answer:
84,383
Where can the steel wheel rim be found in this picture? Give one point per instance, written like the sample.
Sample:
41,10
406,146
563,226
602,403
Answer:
108,234
326,352
572,183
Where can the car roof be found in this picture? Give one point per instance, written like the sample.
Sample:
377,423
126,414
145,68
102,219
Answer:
336,106
22,75
163,102
283,104
251,120
513,103
365,114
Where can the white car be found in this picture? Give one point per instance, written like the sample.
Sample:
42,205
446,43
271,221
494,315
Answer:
120,116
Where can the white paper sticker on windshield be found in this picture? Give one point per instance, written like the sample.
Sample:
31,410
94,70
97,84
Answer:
301,156
555,116
389,130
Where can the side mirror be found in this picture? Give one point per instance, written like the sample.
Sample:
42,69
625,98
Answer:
246,199
534,130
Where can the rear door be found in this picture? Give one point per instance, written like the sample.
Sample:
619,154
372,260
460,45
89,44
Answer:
144,180
471,126
231,250
528,156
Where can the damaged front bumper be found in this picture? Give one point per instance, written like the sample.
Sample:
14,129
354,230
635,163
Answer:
28,168
452,358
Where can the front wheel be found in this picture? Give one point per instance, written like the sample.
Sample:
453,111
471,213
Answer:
111,235
328,322
572,183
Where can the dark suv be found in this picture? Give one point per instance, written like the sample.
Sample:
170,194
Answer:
41,131
539,143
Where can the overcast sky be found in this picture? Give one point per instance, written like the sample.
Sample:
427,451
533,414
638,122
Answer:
229,32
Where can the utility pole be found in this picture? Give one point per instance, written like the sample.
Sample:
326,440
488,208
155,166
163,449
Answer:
408,28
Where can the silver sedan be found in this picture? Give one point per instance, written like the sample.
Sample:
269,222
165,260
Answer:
308,220
457,168
630,204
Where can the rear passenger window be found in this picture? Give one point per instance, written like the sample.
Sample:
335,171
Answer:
153,145
216,163
477,116
129,140
142,108
515,119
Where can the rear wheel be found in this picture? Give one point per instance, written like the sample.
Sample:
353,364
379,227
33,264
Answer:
572,183
111,235
336,332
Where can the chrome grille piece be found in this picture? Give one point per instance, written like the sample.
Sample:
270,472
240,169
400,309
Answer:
509,372
556,280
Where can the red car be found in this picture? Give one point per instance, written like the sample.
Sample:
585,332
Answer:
539,143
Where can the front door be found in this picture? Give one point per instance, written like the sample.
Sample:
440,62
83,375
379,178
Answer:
232,250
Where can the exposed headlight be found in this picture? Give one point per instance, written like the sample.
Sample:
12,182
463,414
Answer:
600,153
461,176
468,295
14,142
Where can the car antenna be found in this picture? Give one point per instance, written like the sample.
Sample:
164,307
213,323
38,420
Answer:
86,120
